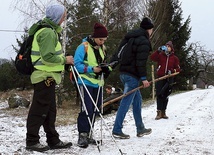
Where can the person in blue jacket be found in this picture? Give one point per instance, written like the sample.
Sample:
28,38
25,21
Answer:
88,60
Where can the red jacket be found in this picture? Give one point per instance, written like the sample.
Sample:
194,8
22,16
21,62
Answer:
165,63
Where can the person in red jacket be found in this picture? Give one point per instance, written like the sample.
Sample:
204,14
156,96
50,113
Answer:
167,63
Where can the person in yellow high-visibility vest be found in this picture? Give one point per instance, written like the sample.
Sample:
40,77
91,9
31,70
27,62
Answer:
49,63
88,57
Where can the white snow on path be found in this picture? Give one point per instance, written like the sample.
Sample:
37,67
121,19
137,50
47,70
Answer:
188,131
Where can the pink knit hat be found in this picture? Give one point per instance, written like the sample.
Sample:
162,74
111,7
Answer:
169,43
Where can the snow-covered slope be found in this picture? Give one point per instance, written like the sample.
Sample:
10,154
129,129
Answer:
188,131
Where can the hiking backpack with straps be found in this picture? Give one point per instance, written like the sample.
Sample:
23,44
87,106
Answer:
23,62
125,54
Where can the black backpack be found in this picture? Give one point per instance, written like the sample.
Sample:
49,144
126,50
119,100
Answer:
23,60
125,53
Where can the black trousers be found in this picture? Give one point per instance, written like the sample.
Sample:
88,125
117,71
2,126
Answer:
163,90
42,113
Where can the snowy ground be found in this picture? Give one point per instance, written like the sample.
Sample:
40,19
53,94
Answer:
188,131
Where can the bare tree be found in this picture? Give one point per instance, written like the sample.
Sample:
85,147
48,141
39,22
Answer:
205,64
114,13
34,10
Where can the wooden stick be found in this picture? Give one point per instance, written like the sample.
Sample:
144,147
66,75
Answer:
153,85
133,90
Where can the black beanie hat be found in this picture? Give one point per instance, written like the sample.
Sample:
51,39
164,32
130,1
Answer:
99,31
146,23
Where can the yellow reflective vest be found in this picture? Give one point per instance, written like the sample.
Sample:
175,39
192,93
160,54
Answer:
92,61
36,58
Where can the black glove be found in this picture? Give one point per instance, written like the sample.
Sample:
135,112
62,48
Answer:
106,75
105,69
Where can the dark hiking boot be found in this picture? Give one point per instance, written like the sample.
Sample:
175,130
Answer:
92,141
83,140
121,135
37,147
159,115
144,132
61,145
164,114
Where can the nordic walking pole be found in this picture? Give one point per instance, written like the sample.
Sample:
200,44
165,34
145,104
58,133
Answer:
102,77
98,110
84,106
93,119
133,90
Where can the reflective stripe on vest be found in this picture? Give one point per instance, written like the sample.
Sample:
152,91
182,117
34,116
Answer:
92,61
35,55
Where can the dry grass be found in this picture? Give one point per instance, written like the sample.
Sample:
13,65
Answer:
66,114
25,93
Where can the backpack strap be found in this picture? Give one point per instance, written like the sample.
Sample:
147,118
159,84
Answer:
86,46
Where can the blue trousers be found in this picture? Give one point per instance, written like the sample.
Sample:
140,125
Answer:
135,99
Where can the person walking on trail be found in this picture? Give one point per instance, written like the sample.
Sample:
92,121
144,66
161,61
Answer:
132,74
50,61
89,56
167,63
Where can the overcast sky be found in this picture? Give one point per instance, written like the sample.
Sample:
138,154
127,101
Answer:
201,13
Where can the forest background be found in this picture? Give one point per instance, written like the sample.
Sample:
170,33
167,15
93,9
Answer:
119,16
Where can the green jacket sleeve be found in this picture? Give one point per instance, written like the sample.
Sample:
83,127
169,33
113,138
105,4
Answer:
47,41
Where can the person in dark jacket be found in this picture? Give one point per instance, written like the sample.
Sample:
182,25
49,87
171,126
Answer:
167,63
132,74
